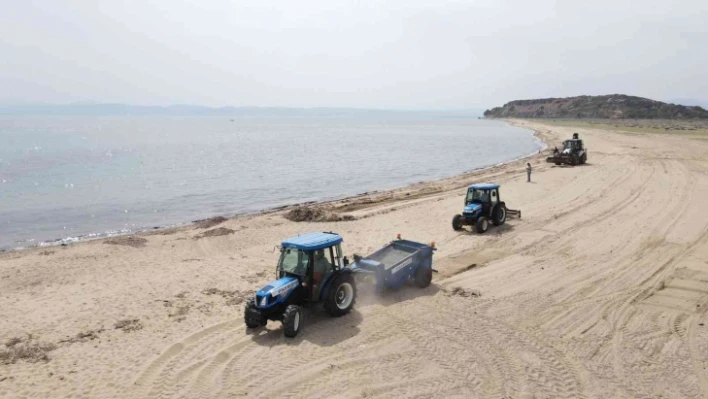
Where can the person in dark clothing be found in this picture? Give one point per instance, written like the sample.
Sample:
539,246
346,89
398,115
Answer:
528,172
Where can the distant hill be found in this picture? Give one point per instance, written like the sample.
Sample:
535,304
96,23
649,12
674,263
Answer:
690,102
612,106
101,109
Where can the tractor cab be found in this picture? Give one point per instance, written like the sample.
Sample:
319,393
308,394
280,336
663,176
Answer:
481,197
312,259
573,146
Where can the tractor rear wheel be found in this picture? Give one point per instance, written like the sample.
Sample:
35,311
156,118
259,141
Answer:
482,224
423,277
341,296
292,321
252,319
499,217
457,222
583,159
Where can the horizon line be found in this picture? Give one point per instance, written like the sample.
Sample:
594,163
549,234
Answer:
215,107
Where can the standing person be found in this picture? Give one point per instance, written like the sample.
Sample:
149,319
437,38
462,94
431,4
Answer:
528,172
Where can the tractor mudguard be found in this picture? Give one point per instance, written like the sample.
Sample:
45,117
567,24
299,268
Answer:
328,283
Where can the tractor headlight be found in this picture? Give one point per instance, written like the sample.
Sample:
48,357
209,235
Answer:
264,302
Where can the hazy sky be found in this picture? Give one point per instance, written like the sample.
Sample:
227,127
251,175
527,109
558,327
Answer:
377,54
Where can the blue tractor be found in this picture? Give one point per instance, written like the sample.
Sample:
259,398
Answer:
312,269
482,206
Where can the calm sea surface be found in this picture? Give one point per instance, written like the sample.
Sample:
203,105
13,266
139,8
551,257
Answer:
63,178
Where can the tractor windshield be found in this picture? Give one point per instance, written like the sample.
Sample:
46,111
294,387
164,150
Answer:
477,195
293,261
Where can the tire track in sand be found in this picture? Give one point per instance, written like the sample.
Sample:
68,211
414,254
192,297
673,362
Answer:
159,369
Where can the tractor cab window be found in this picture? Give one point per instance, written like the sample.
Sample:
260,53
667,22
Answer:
572,145
470,196
293,261
323,267
494,195
323,260
477,195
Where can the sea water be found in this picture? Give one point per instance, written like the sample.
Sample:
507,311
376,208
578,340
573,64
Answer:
63,178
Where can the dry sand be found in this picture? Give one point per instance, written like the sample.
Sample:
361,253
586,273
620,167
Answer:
599,291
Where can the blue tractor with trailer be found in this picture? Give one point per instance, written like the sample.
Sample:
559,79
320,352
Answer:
483,205
312,269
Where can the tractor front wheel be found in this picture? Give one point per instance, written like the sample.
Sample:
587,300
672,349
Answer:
253,319
457,222
292,321
341,296
423,277
482,225
499,217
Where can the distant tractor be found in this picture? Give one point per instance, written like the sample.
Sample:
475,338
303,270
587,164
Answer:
483,205
573,153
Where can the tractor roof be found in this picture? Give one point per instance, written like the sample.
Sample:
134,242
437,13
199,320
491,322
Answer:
312,241
484,186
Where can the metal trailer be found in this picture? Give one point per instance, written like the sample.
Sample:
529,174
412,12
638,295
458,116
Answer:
396,263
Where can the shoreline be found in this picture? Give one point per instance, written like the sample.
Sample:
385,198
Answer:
420,186
605,272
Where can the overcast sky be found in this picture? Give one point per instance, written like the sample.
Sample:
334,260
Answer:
371,54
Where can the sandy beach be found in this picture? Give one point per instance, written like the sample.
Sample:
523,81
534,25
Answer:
599,291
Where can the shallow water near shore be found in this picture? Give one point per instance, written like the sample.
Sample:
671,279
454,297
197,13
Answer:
63,178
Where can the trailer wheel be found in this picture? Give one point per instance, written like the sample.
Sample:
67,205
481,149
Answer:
292,321
457,222
253,320
558,163
499,217
423,277
482,224
341,296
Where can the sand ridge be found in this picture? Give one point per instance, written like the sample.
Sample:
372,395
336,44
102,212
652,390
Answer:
599,291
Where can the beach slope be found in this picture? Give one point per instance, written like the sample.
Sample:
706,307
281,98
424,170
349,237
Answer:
600,290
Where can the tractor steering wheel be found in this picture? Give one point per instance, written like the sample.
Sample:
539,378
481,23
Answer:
300,269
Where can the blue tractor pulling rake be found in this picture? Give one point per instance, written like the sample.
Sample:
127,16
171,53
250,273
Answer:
483,204
312,269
